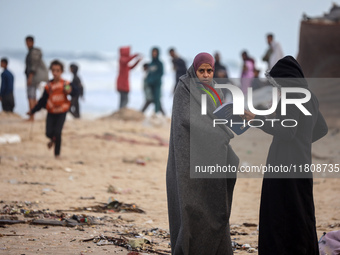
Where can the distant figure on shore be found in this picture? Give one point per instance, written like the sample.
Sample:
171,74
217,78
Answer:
247,74
77,91
178,65
7,87
274,52
256,82
123,85
57,105
146,88
220,70
154,78
148,92
221,74
35,71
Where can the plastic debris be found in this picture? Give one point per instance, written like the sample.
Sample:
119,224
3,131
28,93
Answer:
10,138
112,189
87,198
113,206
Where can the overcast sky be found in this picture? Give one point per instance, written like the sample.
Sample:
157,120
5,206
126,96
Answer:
191,26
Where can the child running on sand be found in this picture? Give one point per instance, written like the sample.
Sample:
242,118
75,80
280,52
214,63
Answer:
57,105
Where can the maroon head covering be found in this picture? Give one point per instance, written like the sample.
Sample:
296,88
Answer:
204,58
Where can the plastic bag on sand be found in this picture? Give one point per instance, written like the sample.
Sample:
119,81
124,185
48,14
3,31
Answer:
329,243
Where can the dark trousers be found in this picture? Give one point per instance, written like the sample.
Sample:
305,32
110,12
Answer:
148,102
156,95
287,217
123,99
54,126
7,103
74,109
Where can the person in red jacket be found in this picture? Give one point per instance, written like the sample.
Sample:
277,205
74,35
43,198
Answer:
57,105
123,77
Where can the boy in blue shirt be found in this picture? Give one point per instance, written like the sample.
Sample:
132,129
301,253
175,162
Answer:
6,91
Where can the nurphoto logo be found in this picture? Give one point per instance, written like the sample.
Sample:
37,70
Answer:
238,103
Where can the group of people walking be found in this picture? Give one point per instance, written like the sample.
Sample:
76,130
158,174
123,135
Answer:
250,74
152,81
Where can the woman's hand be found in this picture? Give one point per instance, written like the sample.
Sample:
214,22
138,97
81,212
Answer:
248,115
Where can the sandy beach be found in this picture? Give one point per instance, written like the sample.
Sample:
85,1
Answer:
110,159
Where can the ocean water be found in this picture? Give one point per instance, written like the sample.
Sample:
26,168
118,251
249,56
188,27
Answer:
98,72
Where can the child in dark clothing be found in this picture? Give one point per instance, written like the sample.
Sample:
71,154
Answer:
6,91
57,105
77,91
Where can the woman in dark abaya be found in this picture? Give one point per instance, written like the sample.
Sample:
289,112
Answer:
199,203
287,214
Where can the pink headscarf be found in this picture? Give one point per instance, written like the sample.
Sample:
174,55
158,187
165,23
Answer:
204,58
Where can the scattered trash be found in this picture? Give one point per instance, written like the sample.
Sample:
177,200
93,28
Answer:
140,162
112,189
236,233
128,236
249,224
114,206
10,138
135,244
334,225
138,243
80,228
47,190
1,235
87,198
251,250
69,170
79,162
329,243
11,222
246,246
137,161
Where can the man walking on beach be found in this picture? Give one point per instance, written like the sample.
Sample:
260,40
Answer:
274,53
35,71
178,64
6,91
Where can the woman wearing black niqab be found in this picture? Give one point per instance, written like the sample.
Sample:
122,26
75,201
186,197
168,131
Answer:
287,213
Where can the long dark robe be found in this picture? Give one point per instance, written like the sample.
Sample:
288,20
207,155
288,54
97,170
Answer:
199,208
287,214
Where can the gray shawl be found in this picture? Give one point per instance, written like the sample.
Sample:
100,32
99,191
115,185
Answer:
199,204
